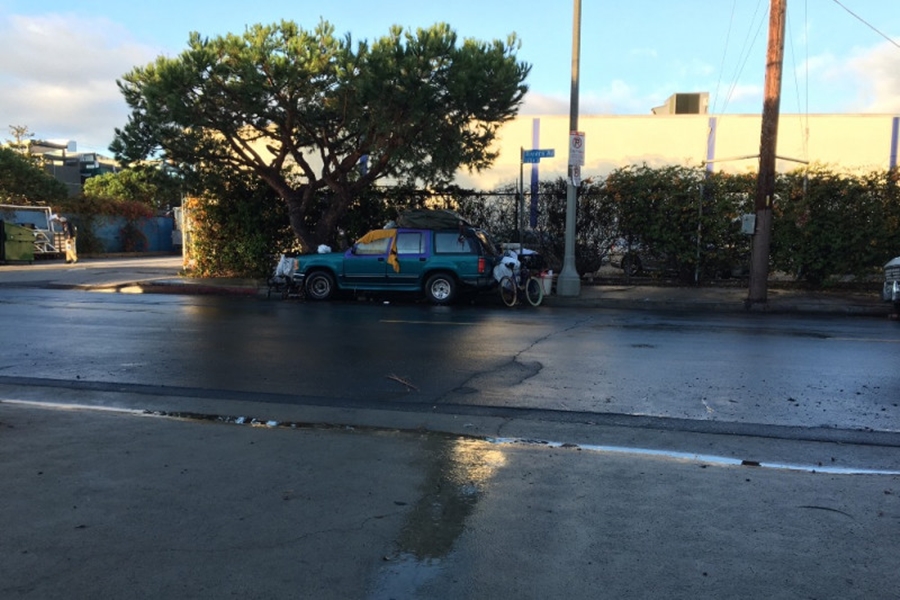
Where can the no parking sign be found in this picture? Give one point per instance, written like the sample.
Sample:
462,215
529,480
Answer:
576,148
576,156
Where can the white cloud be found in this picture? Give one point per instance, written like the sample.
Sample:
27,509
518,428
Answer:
739,98
821,65
617,98
878,74
58,76
866,82
543,104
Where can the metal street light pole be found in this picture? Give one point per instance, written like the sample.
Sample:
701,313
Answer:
569,283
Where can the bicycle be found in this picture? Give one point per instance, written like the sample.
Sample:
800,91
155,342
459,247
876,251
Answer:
521,281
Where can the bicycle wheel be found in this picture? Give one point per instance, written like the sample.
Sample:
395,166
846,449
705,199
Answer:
534,291
508,290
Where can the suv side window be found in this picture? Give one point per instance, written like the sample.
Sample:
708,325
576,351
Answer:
410,242
375,247
452,242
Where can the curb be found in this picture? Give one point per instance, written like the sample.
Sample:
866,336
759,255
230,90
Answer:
196,289
731,306
630,299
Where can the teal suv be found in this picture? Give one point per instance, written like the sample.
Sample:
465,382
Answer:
440,264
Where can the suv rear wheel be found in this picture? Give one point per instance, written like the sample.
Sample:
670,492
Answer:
440,288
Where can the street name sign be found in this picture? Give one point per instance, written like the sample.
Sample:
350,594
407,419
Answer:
535,156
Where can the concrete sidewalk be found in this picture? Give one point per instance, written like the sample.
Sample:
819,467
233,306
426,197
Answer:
163,275
118,504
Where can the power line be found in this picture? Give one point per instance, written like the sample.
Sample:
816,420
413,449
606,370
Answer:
867,24
804,112
745,52
724,54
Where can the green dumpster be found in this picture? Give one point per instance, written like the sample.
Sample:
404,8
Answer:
17,243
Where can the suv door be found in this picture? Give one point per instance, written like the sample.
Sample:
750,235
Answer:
365,264
412,254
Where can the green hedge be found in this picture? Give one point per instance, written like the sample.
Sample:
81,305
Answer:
827,225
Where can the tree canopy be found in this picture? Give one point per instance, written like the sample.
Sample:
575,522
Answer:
148,185
24,182
318,118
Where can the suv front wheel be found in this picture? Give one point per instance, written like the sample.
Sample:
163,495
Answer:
319,285
440,288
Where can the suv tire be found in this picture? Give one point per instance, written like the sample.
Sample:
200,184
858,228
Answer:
319,285
440,288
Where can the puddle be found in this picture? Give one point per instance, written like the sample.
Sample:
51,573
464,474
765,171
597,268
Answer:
403,575
457,474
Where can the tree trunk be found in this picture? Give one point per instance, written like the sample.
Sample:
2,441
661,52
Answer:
295,201
303,202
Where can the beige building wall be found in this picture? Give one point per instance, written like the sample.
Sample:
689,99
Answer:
850,143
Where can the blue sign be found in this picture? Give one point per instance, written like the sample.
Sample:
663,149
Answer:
535,156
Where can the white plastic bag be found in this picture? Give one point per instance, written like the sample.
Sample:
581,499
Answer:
285,267
501,271
508,265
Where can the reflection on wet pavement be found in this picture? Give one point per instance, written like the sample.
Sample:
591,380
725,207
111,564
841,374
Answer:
456,476
699,458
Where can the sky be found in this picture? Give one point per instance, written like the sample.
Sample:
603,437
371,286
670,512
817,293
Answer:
60,59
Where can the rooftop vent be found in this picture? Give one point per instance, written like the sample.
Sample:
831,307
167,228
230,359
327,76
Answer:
684,104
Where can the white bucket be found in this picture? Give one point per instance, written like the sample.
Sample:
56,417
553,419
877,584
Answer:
547,282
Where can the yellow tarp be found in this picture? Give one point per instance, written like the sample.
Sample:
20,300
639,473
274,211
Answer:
380,234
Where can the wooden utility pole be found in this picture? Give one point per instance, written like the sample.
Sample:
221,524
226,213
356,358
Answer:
765,187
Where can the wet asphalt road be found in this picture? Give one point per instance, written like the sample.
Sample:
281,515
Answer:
766,370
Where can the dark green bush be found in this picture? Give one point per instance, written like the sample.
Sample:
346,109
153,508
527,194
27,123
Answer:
238,230
829,225
826,225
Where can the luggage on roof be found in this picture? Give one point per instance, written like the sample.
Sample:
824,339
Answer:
429,218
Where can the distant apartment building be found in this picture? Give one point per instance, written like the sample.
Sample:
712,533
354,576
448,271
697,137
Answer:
67,165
